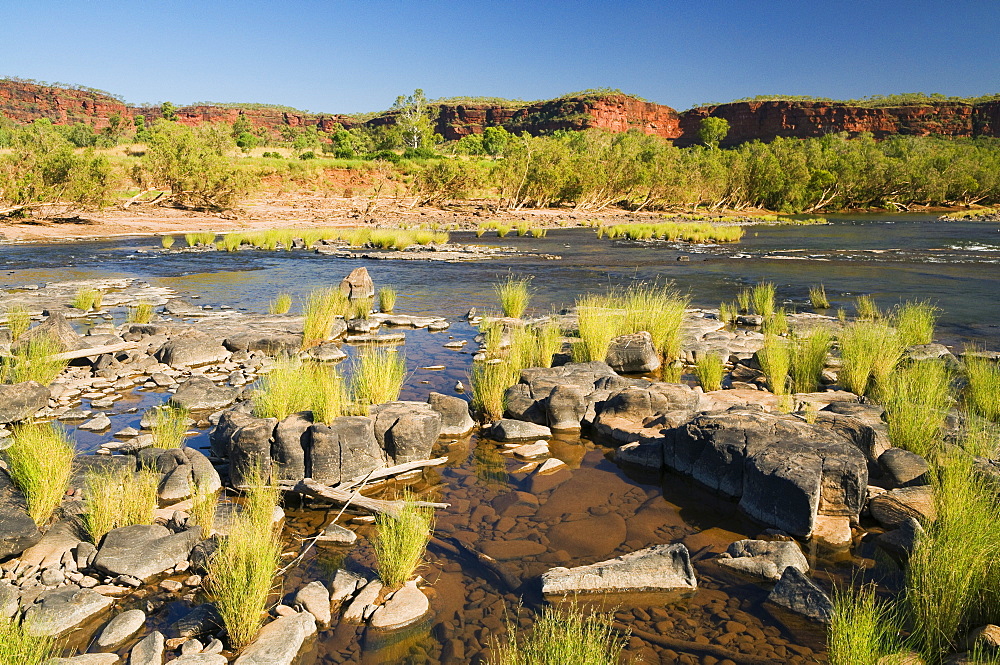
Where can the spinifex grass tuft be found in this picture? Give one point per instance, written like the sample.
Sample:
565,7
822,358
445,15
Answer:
401,540
360,308
40,462
378,376
18,320
915,322
34,360
658,310
283,391
141,313
763,299
982,394
809,353
281,304
598,324
386,299
231,242
514,295
202,238
561,636
776,323
490,382
321,310
328,390
87,299
870,350
743,301
710,370
728,312
548,342
170,425
817,297
19,645
866,308
539,233
916,399
203,507
166,242
502,230
863,629
241,573
117,497
775,360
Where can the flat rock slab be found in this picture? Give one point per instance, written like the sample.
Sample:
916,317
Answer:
19,401
200,393
57,612
359,606
518,430
334,533
406,607
143,550
279,642
119,629
202,659
658,568
86,659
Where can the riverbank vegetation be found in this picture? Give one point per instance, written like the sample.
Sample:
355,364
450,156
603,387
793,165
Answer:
400,541
40,462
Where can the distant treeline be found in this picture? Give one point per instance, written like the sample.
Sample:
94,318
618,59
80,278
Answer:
873,101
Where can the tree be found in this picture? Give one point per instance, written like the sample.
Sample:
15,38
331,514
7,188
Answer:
712,130
413,120
495,140
118,127
168,111
246,141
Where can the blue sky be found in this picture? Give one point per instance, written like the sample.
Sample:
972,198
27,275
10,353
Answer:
336,56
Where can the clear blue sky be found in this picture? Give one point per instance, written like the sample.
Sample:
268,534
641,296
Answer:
334,56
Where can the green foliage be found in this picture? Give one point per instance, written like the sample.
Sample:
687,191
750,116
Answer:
743,300
560,636
914,322
917,397
40,462
692,232
711,131
710,370
870,351
20,645
167,241
322,308
413,120
294,385
116,497
982,393
33,360
809,352
386,299
866,308
87,299
548,342
18,321
514,295
598,322
775,361
401,540
170,425
169,111
141,313
817,297
447,179
378,375
281,304
489,382
204,503
763,299
863,629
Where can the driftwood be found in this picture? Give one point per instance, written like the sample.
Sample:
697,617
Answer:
309,487
391,471
457,547
95,351
692,647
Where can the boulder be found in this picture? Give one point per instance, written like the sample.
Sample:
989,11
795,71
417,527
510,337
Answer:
344,449
406,607
900,542
18,531
455,417
273,344
896,506
657,568
903,467
20,401
149,650
191,349
315,599
279,642
291,442
10,600
861,424
358,284
201,620
518,430
624,415
200,393
339,535
345,583
143,550
202,470
176,485
55,327
120,628
327,352
566,407
58,611
406,431
245,441
633,354
797,593
49,551
762,558
362,605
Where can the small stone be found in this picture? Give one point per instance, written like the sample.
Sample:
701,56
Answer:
98,423
121,628
550,465
284,610
191,647
52,577
171,586
404,608
315,599
532,450
193,580
334,533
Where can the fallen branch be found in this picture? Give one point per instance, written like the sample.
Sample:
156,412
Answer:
692,647
457,547
309,487
392,471
94,351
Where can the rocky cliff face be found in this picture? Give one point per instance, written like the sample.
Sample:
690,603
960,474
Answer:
24,102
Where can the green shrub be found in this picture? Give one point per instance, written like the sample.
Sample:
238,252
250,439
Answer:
170,425
19,645
658,310
40,462
328,391
917,397
141,313
378,376
386,299
400,541
863,629
710,370
514,295
915,322
776,323
809,352
203,509
548,343
775,361
598,323
982,393
283,391
743,300
231,242
559,637
117,497
817,297
18,321
281,304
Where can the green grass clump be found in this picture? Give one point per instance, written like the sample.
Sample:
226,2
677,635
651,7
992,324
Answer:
775,361
386,299
40,462
809,353
743,300
915,322
203,238
360,308
698,233
658,310
321,309
284,390
117,497
763,299
20,646
502,230
378,376
728,312
870,350
18,321
401,540
916,399
982,393
710,370
776,323
817,297
489,382
167,242
170,425
514,295
548,338
203,507
231,242
560,637
241,572
281,304
141,313
330,399
863,629
87,299
539,233
866,308
33,360
598,323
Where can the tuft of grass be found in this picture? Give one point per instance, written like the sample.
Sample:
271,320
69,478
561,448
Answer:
915,322
548,337
231,242
598,324
378,376
19,644
360,308
728,312
866,309
514,295
167,242
18,321
141,313
489,382
776,323
982,393
33,360
321,309
917,397
743,301
203,506
87,299
330,399
401,540
539,233
281,304
117,497
863,629
203,238
763,299
817,297
169,426
710,370
283,391
775,360
809,353
658,310
560,637
502,230
40,462
386,299
870,350
241,572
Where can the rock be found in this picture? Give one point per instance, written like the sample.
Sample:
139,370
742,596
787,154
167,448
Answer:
903,467
633,354
52,577
200,393
762,558
406,431
860,424
315,599
202,659
833,531
986,638
406,607
176,485
272,344
10,600
566,407
921,352
288,453
86,659
358,285
631,413
202,470
896,506
344,449
57,328
191,349
191,647
797,593
18,531
900,542
279,642
119,629
143,550
98,423
657,568
60,610
357,610
201,620
245,441
455,417
334,533
327,352
20,401
591,536
518,430
345,583
506,550
531,451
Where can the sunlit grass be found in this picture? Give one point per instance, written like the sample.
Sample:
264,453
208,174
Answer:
386,299
490,382
763,299
18,321
817,297
204,238
281,304
863,629
870,350
40,462
775,361
982,393
598,323
140,313
378,376
866,308
19,645
809,352
560,636
709,369
514,294
116,497
915,322
917,397
33,360
400,542
170,425
203,509
87,299
166,242
321,309
692,232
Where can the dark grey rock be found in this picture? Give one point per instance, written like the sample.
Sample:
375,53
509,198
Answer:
904,468
58,611
566,407
20,401
455,417
176,485
18,531
633,354
203,472
344,449
406,431
10,600
202,620
200,393
899,542
273,344
657,568
291,442
191,349
246,441
518,430
143,550
763,558
797,593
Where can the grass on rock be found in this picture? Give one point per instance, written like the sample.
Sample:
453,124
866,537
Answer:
281,304
87,299
775,361
386,299
982,393
167,242
401,540
378,375
763,299
40,462
295,385
141,313
869,350
170,424
561,636
203,507
598,324
809,352
321,309
817,297
914,322
34,360
866,308
710,370
117,497
18,321
917,397
514,295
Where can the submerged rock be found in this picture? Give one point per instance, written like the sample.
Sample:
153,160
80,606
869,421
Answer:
797,593
404,608
763,558
657,568
315,599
